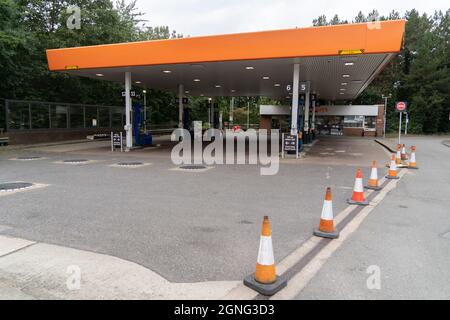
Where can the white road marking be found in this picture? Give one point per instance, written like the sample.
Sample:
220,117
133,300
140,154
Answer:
33,187
301,279
10,244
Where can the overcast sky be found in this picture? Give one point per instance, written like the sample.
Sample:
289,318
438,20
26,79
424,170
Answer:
205,17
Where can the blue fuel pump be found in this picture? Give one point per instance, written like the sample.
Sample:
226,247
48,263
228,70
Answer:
141,138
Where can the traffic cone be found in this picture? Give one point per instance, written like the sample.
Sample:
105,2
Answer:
392,174
403,154
373,181
412,161
265,279
398,155
358,191
326,226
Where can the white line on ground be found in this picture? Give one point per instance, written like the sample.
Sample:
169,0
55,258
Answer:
301,279
33,187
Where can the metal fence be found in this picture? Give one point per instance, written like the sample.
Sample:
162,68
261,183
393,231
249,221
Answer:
35,115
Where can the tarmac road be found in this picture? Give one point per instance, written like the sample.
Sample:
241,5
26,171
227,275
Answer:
187,227
407,236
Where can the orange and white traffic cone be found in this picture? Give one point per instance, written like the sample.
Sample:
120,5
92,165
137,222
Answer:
412,161
403,154
326,226
398,155
358,191
392,173
373,181
265,279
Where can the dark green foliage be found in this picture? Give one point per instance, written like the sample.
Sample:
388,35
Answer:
30,27
418,75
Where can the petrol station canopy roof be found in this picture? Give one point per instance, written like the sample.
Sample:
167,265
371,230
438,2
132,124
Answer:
339,61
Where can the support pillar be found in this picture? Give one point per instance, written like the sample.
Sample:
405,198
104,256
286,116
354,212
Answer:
306,137
295,97
180,105
313,119
128,126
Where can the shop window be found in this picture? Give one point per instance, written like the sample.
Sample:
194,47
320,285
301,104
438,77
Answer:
353,121
370,122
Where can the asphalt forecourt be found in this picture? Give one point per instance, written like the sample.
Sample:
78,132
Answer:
200,227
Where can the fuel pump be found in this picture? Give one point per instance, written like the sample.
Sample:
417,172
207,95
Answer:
141,138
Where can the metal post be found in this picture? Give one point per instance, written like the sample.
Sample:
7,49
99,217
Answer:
248,115
128,125
306,120
7,114
98,118
313,119
68,116
400,128
121,142
84,116
282,145
212,113
145,110
231,111
295,96
49,116
180,105
112,142
110,116
385,111
406,123
29,116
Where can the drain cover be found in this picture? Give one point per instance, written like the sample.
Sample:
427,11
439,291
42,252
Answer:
28,158
14,186
130,164
193,167
75,161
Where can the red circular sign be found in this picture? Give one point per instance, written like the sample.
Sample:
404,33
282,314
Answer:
401,106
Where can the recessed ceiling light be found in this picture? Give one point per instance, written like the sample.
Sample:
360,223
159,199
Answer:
138,82
196,80
345,76
167,71
349,63
233,90
218,86
341,93
202,95
344,83
342,89
99,74
186,91
266,78
277,85
250,68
